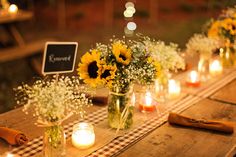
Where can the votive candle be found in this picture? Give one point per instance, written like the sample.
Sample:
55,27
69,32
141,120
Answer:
174,89
216,68
147,104
193,79
83,135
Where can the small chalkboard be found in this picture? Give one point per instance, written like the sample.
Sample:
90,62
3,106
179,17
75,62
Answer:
59,57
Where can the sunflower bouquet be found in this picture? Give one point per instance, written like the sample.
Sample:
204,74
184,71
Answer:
224,29
116,66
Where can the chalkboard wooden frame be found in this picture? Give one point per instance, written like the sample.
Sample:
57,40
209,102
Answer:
45,65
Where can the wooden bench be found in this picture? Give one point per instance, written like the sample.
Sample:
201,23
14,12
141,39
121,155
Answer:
9,54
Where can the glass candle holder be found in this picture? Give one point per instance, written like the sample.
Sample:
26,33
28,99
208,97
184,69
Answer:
146,103
83,135
174,89
216,68
193,79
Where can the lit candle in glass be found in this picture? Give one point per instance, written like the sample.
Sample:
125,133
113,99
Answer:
13,9
83,135
174,89
216,68
193,79
147,105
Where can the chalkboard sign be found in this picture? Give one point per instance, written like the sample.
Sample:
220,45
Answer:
59,57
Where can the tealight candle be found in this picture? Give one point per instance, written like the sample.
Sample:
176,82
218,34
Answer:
174,89
83,135
216,68
147,105
13,9
193,79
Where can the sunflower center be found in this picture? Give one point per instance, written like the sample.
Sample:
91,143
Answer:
233,27
122,57
92,69
106,74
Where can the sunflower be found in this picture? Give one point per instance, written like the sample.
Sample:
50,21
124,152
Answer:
157,66
227,23
108,74
89,68
122,53
233,28
214,30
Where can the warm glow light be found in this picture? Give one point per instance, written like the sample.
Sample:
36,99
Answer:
148,99
131,10
131,26
129,4
216,68
83,136
146,103
193,79
9,155
13,8
128,14
174,89
193,76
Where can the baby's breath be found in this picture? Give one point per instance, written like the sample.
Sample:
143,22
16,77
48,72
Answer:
201,44
53,99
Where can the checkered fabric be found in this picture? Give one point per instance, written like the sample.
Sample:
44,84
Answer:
120,143
36,145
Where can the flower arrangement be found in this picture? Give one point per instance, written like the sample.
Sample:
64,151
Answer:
224,27
202,44
53,100
117,65
167,55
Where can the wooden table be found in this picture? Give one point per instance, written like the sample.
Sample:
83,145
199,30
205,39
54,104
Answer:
166,140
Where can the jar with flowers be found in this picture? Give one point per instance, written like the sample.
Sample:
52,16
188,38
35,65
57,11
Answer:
224,29
53,100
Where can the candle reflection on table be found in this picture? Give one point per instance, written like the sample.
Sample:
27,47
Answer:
147,104
193,79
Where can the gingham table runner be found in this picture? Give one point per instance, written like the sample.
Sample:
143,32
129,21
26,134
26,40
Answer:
120,143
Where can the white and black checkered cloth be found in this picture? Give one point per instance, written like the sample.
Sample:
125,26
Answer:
120,143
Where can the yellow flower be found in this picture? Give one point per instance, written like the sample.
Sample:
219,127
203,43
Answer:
108,74
227,23
89,68
233,28
157,66
214,30
122,53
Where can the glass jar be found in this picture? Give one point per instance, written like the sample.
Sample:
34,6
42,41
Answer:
54,142
203,67
83,135
228,56
120,110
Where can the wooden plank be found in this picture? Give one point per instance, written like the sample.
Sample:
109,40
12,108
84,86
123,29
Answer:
227,93
20,16
168,140
23,51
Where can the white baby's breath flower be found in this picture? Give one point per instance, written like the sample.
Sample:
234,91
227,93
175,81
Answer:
201,44
53,99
